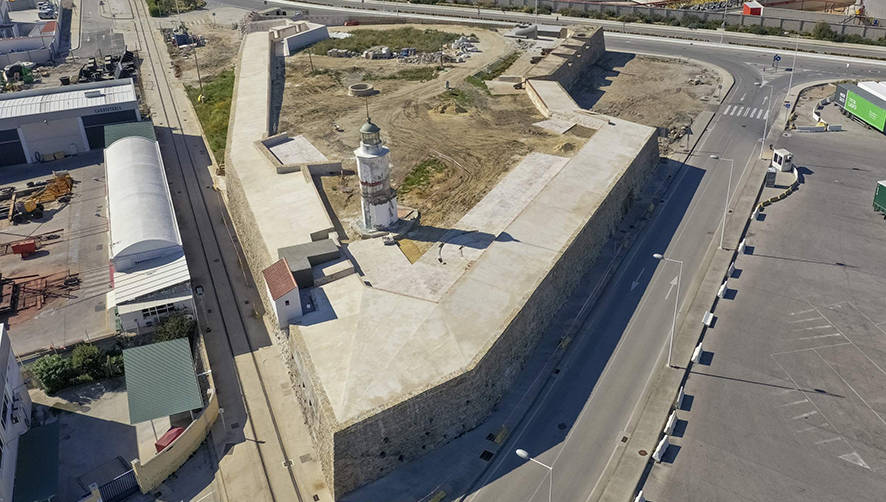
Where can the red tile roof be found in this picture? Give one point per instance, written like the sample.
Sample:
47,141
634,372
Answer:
279,279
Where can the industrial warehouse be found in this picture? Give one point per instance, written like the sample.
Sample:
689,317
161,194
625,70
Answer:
42,124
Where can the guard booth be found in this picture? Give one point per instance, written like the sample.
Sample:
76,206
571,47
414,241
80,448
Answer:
782,160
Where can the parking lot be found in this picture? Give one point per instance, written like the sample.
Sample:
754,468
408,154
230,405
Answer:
78,248
790,401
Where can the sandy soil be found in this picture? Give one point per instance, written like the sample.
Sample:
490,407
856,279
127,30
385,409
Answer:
477,145
807,101
218,55
650,90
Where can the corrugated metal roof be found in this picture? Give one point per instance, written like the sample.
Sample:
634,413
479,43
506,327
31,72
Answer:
150,277
132,307
160,380
139,203
70,97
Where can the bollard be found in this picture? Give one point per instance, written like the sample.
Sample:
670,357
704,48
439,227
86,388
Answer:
741,246
660,449
672,421
680,397
640,497
722,290
731,269
696,355
708,319
756,213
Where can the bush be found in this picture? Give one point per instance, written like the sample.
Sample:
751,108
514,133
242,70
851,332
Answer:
53,371
214,110
175,326
87,359
823,31
169,7
396,39
114,365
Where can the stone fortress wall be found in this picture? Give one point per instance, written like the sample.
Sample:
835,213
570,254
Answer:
363,448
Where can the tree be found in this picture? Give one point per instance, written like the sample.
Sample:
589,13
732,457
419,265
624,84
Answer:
53,371
175,326
88,359
823,31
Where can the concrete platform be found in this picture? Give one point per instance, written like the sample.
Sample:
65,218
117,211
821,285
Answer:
297,150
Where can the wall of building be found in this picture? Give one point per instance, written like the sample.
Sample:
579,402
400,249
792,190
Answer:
587,50
63,135
17,420
373,447
155,470
136,322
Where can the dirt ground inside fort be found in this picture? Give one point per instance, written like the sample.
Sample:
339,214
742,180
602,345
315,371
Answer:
650,90
476,136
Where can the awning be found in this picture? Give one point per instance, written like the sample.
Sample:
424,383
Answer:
160,380
36,470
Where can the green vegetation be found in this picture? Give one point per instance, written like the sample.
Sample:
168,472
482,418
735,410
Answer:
419,73
175,326
167,7
53,371
396,39
214,110
823,31
420,176
494,70
460,97
88,360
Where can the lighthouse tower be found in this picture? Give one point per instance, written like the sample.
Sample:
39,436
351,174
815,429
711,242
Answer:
379,200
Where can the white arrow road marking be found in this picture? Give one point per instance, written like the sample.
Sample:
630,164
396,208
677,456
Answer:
856,459
673,283
637,280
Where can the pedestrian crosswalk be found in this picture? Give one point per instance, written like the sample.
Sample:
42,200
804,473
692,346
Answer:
746,112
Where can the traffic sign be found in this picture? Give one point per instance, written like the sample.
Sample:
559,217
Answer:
787,105
776,58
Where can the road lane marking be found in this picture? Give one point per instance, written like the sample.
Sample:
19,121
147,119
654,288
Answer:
831,440
822,326
816,336
794,403
802,312
728,109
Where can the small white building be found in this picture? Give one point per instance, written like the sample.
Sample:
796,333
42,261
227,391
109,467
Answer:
283,291
37,123
150,272
378,200
15,414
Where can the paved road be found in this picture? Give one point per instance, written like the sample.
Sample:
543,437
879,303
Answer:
626,334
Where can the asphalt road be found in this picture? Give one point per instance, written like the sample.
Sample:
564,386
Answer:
793,391
626,334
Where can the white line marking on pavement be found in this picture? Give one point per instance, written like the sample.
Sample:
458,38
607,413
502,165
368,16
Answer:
855,458
817,336
805,320
737,110
802,312
764,99
759,113
814,327
794,403
745,114
766,115
851,388
805,429
831,440
810,348
805,415
743,96
853,343
727,110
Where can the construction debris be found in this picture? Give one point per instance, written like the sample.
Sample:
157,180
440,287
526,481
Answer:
29,203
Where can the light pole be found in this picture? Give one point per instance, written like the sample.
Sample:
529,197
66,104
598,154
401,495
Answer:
728,193
525,455
659,256
766,123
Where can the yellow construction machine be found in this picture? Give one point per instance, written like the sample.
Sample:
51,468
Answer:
31,207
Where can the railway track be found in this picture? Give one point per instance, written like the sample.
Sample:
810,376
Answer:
211,250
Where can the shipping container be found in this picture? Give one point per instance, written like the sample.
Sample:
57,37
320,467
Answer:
880,197
863,105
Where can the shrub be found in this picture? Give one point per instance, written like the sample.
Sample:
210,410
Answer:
114,365
175,326
87,359
53,371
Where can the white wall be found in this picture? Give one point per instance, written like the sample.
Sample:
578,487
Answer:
135,322
65,135
314,34
20,408
287,313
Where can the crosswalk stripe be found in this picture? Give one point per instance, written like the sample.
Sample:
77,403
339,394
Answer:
766,116
759,113
746,112
728,108
737,110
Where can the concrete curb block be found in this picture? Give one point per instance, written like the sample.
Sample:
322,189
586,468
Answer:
768,202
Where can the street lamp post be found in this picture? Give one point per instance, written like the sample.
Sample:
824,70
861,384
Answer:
728,194
659,256
525,455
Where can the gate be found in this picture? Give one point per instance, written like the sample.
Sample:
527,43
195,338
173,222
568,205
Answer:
119,488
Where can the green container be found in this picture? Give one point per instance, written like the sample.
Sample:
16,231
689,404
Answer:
866,111
880,197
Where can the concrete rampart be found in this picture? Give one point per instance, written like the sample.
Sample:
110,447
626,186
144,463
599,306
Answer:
155,470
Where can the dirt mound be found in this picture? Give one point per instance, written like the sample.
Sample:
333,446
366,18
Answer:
449,109
565,147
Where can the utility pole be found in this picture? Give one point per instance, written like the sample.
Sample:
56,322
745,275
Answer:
311,59
199,80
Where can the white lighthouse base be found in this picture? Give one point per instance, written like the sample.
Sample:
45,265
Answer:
399,228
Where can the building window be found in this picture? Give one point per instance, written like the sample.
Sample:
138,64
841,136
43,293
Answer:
158,310
286,302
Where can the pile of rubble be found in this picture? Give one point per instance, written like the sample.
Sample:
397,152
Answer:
341,53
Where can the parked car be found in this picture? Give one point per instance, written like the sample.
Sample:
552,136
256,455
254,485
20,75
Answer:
46,14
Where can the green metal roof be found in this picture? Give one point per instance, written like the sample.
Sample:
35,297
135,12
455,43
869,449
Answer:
36,470
160,380
113,132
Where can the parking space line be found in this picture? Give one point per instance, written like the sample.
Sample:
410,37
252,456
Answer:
831,440
816,336
804,320
813,327
868,318
806,429
810,348
805,415
850,340
802,311
850,387
794,403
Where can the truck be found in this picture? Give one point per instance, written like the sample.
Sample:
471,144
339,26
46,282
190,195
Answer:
861,105
880,198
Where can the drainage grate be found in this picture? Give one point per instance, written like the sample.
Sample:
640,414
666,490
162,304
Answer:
305,458
490,437
235,425
486,455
